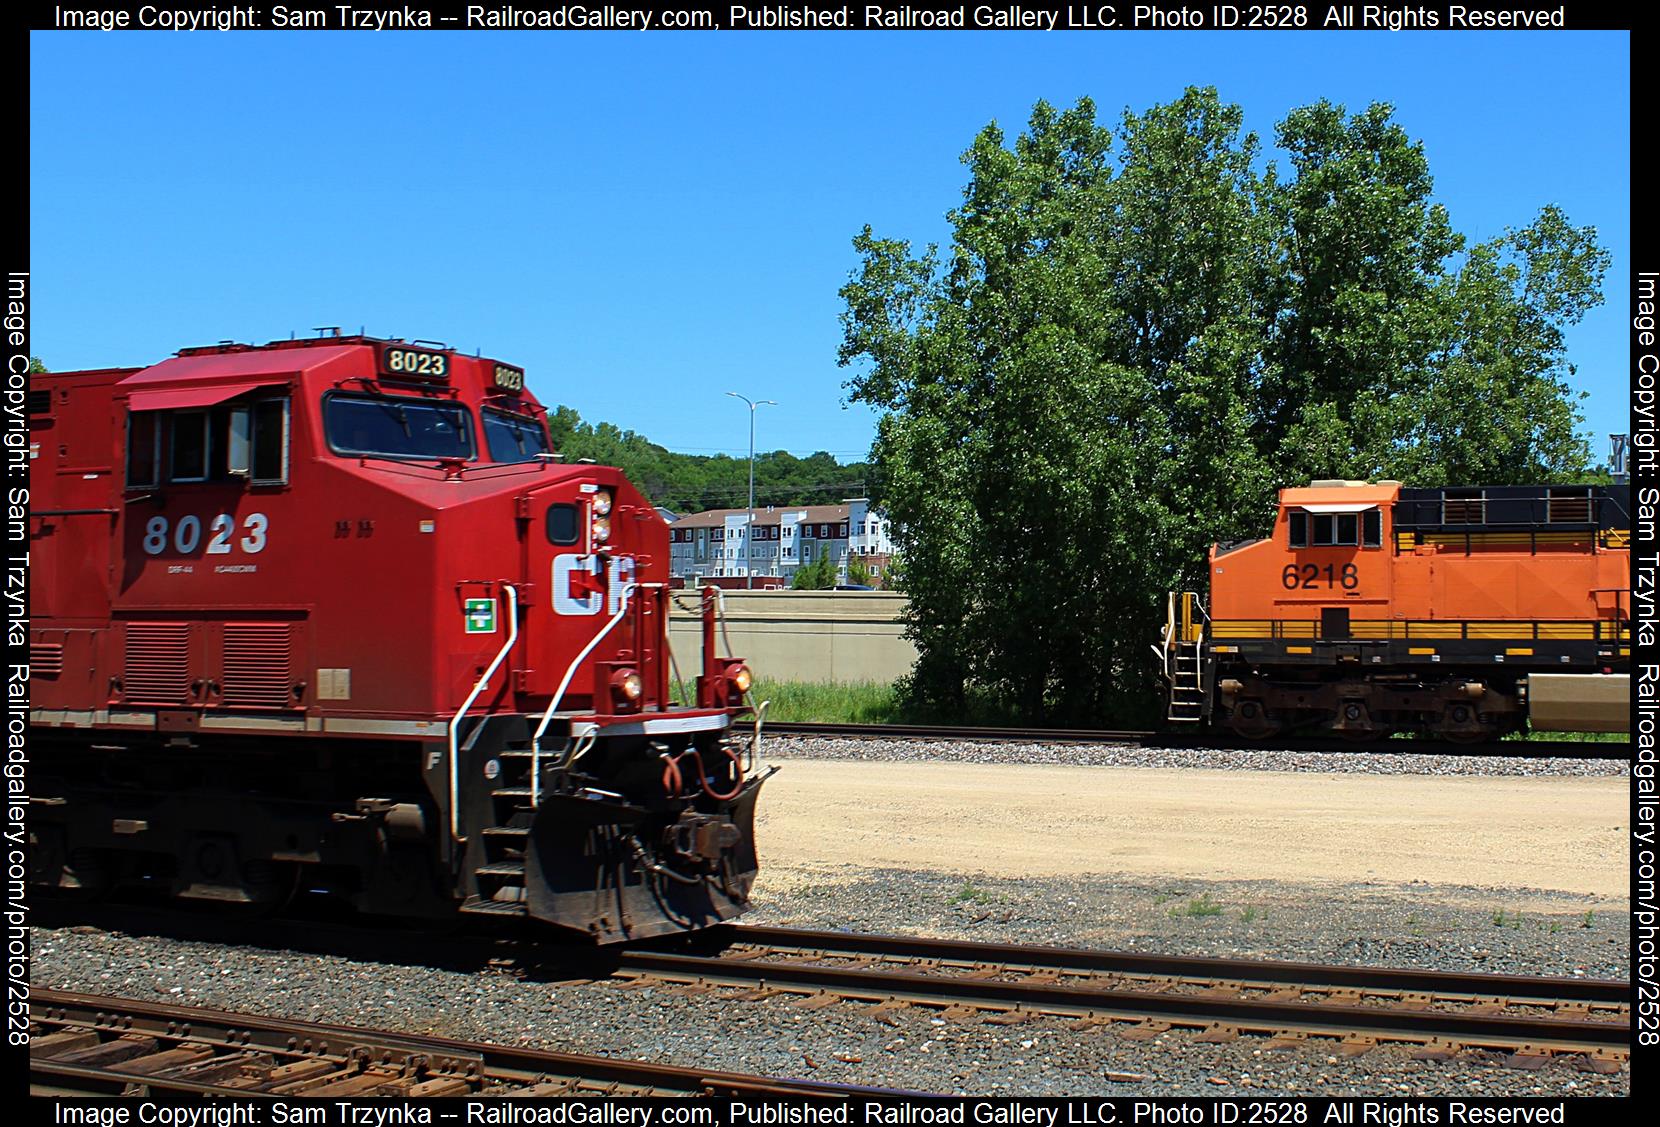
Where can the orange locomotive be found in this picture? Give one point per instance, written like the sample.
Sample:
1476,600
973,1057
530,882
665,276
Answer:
1372,609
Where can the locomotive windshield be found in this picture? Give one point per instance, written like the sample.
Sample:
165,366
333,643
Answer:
397,427
513,438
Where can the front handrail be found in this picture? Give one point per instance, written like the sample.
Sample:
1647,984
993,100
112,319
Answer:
478,687
565,683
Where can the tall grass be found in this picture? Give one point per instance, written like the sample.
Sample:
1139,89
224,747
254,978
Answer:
865,702
871,702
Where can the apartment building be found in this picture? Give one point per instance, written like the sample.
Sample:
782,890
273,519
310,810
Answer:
719,543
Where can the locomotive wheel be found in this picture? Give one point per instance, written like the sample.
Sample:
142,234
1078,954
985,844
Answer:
1249,719
1462,724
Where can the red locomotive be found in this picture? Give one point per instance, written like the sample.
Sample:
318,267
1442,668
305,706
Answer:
330,615
1372,609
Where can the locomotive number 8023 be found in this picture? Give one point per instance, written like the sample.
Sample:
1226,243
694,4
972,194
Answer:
330,615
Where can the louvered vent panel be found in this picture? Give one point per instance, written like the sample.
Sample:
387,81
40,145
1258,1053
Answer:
157,669
45,659
258,665
1568,506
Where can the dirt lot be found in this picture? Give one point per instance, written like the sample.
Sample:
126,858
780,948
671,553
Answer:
820,819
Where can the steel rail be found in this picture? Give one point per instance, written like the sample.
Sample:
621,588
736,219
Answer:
1340,1011
1217,741
115,1042
1554,988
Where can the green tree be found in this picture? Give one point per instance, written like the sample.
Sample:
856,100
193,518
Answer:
35,365
1117,359
857,572
690,483
816,576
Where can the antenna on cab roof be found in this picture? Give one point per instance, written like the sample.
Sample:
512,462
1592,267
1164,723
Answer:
327,330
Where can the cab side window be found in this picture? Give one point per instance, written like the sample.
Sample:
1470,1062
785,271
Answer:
1335,530
143,448
246,441
187,448
258,442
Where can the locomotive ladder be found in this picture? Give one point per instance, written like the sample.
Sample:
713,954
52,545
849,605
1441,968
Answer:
517,794
1183,655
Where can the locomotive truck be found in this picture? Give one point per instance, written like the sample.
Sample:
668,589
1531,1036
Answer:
330,615
1371,609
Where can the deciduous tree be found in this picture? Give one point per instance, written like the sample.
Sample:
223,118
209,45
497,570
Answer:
1122,351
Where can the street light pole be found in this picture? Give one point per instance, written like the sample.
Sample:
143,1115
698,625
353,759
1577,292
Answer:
749,530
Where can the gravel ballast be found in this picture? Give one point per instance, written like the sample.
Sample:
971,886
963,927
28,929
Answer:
915,1048
1382,761
1517,930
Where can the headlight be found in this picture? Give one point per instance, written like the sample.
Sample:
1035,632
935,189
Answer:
739,676
602,502
628,686
602,529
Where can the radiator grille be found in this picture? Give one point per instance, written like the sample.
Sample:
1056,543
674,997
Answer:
258,660
157,669
45,659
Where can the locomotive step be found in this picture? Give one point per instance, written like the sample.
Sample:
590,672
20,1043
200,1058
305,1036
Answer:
483,907
506,831
502,869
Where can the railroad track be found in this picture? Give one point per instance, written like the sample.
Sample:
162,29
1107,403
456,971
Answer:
90,1044
1507,749
1345,1010
1350,1009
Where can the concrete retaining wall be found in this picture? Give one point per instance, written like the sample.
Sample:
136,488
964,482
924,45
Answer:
804,635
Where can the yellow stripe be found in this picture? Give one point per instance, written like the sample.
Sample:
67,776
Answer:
1299,649
1420,650
1241,628
1372,628
1562,630
1520,651
1434,630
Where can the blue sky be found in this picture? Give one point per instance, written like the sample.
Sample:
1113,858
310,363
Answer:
647,220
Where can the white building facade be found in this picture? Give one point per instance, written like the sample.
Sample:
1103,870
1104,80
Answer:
719,543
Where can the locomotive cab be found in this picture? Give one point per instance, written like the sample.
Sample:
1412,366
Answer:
331,614
1373,609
